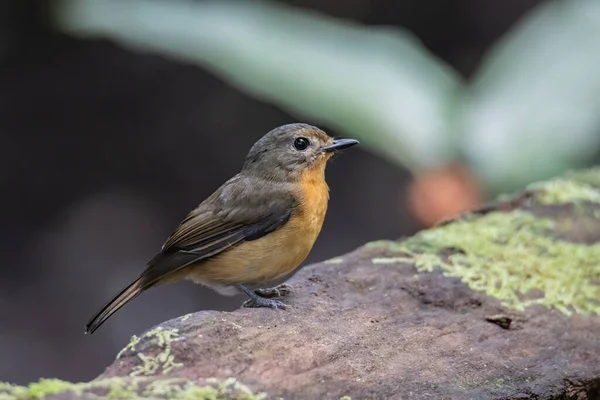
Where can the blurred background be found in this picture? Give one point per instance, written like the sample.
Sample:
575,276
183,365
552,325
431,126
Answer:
117,118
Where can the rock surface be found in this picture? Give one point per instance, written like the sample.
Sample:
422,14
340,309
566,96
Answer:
503,303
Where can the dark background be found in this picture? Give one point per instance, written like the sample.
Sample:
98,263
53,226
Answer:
104,151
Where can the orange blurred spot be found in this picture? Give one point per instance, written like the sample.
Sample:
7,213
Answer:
443,192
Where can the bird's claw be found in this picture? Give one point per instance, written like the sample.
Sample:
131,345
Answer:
262,302
260,297
277,291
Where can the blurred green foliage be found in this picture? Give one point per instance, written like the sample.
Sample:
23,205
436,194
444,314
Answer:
530,111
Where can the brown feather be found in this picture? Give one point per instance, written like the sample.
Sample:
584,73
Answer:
274,256
212,228
257,227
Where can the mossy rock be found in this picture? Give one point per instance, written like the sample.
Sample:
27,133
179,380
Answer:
500,303
131,388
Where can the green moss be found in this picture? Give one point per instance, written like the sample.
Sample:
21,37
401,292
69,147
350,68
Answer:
589,176
499,382
186,317
336,260
10,392
47,386
386,244
392,260
567,190
163,362
34,391
130,346
134,388
121,391
510,256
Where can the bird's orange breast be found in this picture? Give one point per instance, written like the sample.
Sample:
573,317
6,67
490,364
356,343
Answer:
313,198
279,253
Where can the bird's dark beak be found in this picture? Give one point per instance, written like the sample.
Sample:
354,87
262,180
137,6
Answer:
340,144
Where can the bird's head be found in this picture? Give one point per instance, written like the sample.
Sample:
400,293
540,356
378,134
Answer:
287,151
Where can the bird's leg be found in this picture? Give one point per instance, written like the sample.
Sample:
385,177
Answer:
257,301
277,291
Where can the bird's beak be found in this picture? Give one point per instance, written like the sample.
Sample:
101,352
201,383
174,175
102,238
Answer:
340,144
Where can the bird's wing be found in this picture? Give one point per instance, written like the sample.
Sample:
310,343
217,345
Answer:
243,209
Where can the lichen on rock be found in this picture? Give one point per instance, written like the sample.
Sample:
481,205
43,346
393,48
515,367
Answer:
134,388
565,191
163,361
35,390
465,310
515,256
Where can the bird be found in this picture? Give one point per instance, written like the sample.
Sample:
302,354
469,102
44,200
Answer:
255,229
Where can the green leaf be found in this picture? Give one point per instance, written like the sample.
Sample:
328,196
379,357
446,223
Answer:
378,85
534,109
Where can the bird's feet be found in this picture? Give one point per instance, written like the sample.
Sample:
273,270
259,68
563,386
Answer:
277,291
262,302
261,297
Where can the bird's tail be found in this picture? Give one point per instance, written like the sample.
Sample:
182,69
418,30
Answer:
126,295
161,269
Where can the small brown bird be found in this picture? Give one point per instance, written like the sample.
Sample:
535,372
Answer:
256,228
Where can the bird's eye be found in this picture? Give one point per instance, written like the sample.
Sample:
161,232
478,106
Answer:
301,143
